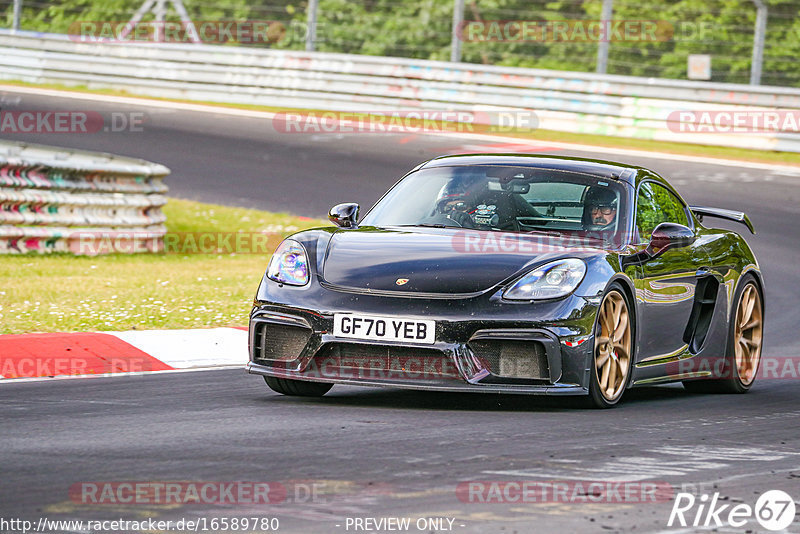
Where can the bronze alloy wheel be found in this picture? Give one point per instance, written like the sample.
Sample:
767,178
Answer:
612,347
747,334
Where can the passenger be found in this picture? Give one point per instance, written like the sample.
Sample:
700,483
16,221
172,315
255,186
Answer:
600,210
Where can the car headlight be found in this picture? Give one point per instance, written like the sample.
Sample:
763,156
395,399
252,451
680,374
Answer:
551,280
289,264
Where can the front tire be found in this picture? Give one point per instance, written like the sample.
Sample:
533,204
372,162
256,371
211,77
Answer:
743,351
612,356
297,388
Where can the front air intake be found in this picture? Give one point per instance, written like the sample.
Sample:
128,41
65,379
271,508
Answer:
512,358
385,362
278,342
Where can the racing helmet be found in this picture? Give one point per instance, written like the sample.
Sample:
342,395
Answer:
597,197
453,195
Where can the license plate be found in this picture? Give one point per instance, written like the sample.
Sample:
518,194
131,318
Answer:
384,328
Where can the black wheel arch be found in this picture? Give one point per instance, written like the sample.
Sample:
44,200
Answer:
754,272
630,293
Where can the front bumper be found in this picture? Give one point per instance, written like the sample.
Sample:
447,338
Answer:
453,386
562,331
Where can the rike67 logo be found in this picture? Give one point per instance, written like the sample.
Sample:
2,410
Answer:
774,510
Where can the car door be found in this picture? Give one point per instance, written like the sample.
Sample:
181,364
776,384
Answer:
666,287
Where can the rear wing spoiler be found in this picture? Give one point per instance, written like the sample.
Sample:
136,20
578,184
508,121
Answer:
738,216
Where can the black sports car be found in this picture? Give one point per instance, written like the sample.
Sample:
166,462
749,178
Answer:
513,274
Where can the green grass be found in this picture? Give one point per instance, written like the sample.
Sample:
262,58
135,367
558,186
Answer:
761,156
63,293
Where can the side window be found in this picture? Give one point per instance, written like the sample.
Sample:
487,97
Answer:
656,204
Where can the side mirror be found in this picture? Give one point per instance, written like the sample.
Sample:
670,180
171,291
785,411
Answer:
669,235
665,236
344,215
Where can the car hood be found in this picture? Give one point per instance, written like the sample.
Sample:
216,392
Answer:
430,260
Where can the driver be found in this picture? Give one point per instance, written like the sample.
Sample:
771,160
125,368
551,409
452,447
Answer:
600,209
453,202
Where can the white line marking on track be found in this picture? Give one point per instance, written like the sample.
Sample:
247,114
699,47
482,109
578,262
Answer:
139,101
191,347
690,459
788,170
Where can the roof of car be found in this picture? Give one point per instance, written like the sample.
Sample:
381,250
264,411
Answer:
607,169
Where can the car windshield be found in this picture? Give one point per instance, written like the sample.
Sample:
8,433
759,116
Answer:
505,198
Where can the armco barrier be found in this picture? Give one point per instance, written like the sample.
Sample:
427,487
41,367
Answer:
623,106
59,200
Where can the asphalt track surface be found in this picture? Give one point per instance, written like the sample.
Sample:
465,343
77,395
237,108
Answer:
377,453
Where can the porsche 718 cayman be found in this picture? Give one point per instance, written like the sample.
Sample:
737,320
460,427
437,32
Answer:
514,274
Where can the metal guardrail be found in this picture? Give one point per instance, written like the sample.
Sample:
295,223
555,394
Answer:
622,106
58,200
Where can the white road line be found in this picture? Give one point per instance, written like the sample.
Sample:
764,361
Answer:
183,349
138,101
731,478
690,460
788,170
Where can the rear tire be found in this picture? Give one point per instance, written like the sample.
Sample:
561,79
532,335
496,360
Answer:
297,388
612,356
743,350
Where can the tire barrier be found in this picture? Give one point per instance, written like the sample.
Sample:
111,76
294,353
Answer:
743,116
56,200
